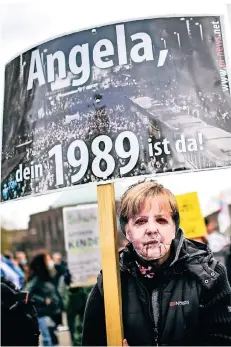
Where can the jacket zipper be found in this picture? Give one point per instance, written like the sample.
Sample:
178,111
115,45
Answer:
155,305
155,330
156,336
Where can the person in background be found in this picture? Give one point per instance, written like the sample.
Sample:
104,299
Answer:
19,321
58,259
8,272
75,306
228,262
216,240
22,262
59,280
13,263
61,268
174,292
21,259
47,301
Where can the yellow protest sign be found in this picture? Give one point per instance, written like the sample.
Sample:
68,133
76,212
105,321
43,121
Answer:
191,218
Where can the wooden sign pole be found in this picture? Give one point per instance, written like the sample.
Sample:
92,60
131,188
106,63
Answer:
110,266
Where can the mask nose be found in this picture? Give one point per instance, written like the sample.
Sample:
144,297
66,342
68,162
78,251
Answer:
152,229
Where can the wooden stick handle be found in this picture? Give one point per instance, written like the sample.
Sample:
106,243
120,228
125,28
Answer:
110,266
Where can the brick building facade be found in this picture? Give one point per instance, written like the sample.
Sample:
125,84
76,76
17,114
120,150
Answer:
47,228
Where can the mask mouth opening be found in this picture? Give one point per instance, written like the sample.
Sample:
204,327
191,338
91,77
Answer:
152,242
158,244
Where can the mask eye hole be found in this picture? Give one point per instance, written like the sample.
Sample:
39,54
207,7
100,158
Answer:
162,221
140,221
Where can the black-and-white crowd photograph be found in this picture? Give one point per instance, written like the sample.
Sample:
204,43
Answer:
147,81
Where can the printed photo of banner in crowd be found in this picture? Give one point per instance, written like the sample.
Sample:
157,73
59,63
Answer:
135,98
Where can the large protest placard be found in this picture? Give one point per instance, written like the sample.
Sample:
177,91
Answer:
82,243
191,218
128,99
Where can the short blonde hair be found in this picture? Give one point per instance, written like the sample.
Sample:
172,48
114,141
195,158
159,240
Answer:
137,194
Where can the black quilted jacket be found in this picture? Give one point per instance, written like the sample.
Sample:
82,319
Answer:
186,303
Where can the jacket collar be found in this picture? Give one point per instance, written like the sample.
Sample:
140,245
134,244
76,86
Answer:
201,263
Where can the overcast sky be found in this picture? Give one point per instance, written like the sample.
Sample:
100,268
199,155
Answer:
24,24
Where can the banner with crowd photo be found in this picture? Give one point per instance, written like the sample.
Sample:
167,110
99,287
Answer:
82,244
135,98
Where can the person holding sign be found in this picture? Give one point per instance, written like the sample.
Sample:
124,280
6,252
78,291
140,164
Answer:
173,290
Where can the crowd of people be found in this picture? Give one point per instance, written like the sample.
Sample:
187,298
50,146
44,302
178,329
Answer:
47,278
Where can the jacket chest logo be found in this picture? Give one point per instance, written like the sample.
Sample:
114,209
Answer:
178,303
